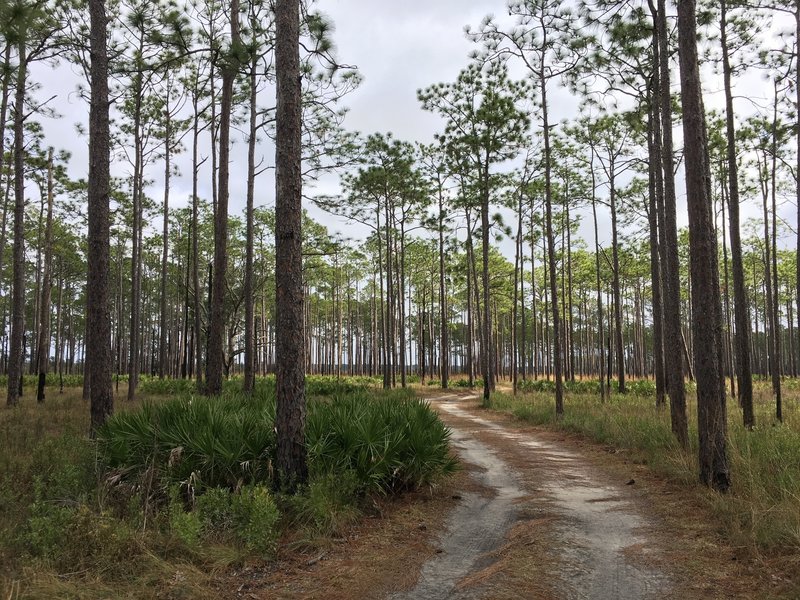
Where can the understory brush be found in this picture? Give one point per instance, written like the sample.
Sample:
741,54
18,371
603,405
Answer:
316,385
185,484
762,509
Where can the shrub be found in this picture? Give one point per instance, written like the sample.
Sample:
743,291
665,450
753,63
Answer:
464,383
76,537
328,504
389,444
46,528
219,441
65,469
155,386
249,516
255,517
184,525
388,440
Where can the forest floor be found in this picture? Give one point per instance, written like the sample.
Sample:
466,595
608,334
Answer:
535,514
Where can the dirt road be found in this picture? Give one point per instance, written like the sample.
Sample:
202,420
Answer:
542,523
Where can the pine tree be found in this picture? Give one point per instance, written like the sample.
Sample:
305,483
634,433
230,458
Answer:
98,280
706,304
290,417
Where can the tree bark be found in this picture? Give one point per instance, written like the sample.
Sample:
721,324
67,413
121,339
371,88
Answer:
290,347
486,350
43,344
797,170
615,283
249,300
655,265
673,363
215,362
741,310
97,305
551,251
16,352
196,337
444,346
776,317
600,331
706,304
162,342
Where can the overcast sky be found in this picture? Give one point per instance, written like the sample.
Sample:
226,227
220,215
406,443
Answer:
398,47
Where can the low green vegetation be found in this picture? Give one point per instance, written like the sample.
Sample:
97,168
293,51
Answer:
316,385
387,440
184,484
762,510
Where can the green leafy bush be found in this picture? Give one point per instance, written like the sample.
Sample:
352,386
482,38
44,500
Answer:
153,386
46,529
75,537
636,387
464,383
184,525
536,385
328,504
316,385
388,440
219,441
255,518
249,516
65,470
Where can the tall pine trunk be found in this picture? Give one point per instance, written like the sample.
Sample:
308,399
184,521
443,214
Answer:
249,300
486,348
673,344
706,304
551,251
98,280
290,347
444,346
43,344
162,342
215,361
741,311
654,190
16,352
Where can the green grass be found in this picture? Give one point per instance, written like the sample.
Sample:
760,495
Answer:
762,510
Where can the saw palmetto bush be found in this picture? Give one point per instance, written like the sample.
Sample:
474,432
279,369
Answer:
225,441
389,441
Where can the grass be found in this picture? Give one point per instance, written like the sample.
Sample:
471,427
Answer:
178,489
762,510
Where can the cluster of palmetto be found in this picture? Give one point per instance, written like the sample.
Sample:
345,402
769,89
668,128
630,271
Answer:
194,296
